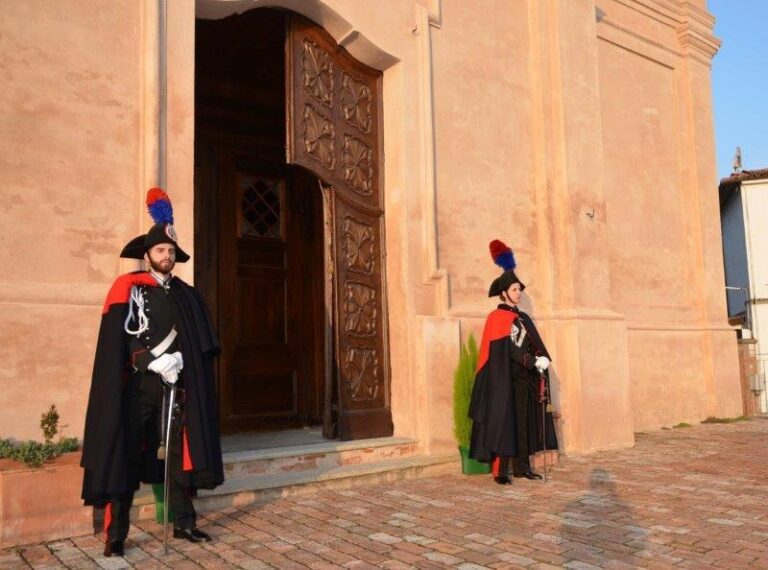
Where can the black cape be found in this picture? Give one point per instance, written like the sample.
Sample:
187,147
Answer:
492,407
104,457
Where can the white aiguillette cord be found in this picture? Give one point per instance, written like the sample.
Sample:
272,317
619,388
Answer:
136,299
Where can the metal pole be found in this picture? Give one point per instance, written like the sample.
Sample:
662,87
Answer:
162,115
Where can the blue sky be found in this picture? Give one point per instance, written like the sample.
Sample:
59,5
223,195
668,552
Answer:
740,82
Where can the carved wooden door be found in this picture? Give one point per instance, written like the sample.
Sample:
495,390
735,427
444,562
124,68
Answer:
268,308
333,129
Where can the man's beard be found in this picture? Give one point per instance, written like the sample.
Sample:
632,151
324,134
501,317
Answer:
161,266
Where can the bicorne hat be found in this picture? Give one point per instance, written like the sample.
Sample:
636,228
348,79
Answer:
504,258
161,210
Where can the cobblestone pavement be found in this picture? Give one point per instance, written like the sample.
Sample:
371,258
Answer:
689,497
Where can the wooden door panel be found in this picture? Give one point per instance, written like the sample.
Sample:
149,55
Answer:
261,311
265,395
333,113
261,383
333,129
360,317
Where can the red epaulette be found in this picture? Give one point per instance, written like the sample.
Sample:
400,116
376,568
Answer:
120,291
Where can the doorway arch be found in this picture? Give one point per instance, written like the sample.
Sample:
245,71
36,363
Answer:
290,358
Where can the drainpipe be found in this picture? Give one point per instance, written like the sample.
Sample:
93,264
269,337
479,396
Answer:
162,116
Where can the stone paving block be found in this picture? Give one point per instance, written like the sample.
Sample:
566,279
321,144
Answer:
385,538
663,504
395,565
442,558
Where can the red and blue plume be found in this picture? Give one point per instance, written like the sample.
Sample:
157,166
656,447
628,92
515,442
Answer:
502,255
159,206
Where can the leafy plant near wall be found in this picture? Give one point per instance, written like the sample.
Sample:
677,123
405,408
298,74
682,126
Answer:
463,380
49,423
34,453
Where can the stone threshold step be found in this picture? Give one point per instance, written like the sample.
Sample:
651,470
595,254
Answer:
324,448
244,491
274,480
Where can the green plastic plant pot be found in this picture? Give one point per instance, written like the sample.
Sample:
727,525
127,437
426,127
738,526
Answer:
157,490
472,466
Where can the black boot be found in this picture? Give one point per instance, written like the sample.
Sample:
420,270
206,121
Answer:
503,480
523,469
113,548
528,475
191,534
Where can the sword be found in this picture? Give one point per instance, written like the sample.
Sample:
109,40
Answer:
543,399
544,437
167,478
161,451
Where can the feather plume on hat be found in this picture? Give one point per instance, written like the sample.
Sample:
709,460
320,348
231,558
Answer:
159,206
502,255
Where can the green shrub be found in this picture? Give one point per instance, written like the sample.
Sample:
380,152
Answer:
49,423
714,420
463,380
34,453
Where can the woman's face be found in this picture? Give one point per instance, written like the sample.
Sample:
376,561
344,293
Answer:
513,294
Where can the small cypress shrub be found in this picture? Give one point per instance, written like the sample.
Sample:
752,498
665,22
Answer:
49,423
463,380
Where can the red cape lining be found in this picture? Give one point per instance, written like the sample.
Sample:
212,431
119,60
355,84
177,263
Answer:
497,325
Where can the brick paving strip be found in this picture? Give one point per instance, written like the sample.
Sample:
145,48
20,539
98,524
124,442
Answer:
684,498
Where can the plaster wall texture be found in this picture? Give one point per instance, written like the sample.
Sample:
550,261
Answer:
583,145
70,165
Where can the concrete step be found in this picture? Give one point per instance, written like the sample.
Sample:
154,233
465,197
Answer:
240,492
324,456
266,474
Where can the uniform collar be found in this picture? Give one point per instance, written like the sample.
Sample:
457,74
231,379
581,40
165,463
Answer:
505,307
164,283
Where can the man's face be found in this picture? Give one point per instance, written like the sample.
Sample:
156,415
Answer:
162,258
513,294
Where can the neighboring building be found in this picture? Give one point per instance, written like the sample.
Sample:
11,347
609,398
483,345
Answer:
744,217
343,278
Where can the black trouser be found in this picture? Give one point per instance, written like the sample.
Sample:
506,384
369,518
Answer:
521,462
143,413
522,389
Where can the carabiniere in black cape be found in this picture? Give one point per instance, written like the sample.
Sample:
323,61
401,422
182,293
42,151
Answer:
492,407
104,456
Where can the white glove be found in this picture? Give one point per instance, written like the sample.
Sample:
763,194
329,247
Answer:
170,377
163,363
179,360
542,363
168,366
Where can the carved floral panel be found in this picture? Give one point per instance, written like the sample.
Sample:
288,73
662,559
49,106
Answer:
356,103
319,137
356,158
317,72
361,374
360,309
358,246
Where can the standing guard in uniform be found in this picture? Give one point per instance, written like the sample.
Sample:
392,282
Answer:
510,396
155,333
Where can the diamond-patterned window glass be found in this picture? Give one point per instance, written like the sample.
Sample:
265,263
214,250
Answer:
260,208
